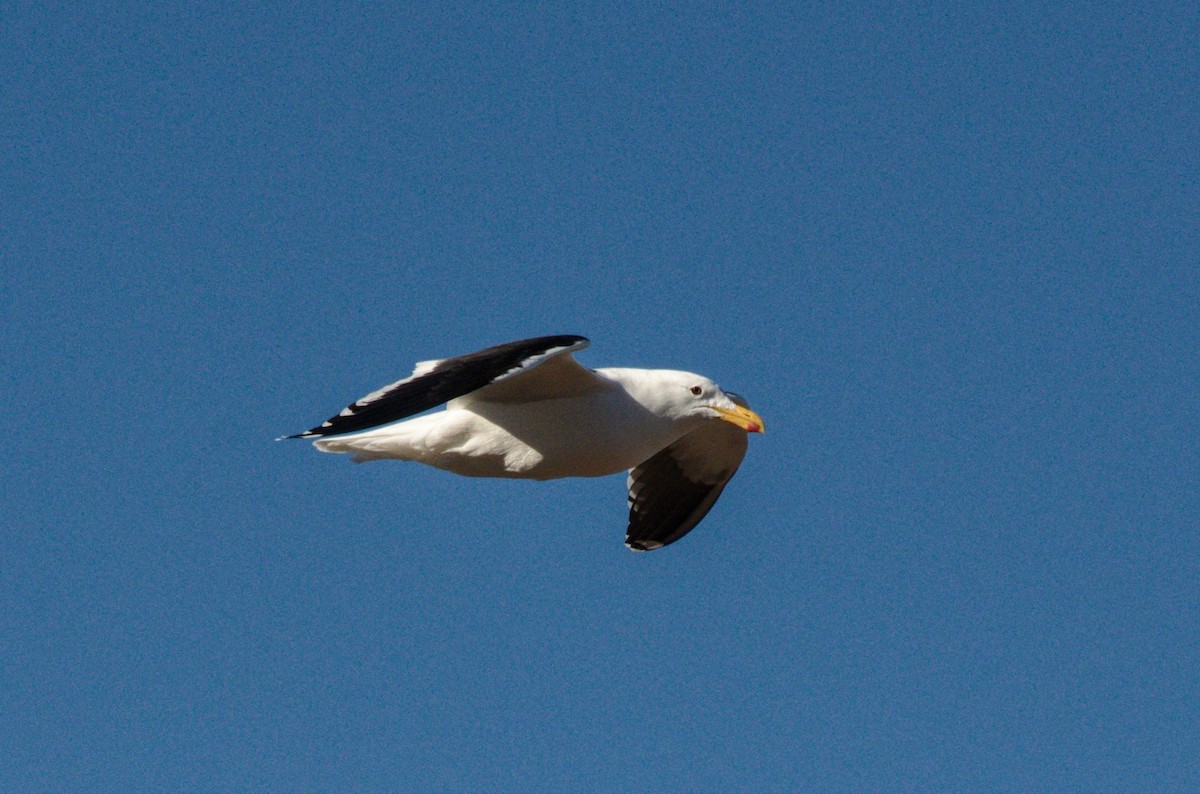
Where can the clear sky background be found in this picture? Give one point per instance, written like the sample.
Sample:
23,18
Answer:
949,253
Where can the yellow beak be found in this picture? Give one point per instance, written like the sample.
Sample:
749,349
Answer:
742,417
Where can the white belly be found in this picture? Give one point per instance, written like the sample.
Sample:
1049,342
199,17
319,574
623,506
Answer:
570,438
541,440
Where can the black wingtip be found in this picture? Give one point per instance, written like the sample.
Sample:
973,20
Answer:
444,381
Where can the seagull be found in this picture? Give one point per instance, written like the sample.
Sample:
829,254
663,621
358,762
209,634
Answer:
529,410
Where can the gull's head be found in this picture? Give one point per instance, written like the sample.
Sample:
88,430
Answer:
695,396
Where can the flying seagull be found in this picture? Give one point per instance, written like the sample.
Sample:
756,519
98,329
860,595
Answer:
529,410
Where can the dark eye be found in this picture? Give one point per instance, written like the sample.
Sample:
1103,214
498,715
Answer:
697,390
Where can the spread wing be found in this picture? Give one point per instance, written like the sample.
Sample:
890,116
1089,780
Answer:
674,489
530,369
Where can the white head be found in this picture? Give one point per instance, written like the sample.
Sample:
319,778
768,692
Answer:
686,395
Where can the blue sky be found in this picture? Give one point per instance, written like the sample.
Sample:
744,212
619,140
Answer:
949,253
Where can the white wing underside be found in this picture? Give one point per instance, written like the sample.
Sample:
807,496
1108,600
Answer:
551,377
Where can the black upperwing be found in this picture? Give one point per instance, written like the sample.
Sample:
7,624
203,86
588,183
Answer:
672,491
441,382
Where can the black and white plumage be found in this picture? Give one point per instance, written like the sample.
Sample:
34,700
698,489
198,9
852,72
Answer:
528,410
